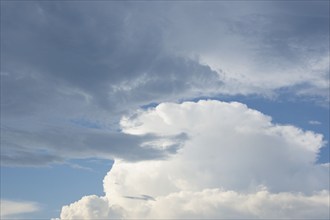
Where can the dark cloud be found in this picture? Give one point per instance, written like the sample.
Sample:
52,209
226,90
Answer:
62,62
55,145
85,64
141,197
92,50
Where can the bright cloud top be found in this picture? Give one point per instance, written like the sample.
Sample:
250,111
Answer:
235,164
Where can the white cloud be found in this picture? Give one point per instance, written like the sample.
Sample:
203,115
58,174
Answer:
217,203
314,122
89,207
235,164
10,209
208,203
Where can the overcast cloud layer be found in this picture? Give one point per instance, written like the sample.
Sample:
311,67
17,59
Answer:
236,164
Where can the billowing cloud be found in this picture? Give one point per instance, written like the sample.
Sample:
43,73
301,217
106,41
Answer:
12,209
235,164
209,203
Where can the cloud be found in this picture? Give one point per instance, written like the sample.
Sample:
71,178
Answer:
104,58
10,209
262,49
107,60
313,122
206,204
43,147
75,66
91,207
235,164
70,70
65,63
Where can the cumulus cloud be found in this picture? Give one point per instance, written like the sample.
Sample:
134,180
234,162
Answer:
10,209
91,207
235,164
209,203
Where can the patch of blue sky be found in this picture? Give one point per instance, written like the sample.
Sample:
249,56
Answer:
54,186
83,122
149,105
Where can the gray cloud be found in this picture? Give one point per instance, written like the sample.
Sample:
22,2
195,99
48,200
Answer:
141,197
93,61
94,50
260,47
55,145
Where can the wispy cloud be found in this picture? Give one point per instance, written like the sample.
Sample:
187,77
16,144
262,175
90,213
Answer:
314,122
57,145
13,209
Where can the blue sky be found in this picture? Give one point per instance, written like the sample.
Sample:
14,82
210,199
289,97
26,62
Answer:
61,182
149,85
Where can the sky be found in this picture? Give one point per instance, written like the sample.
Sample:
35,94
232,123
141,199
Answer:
165,109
